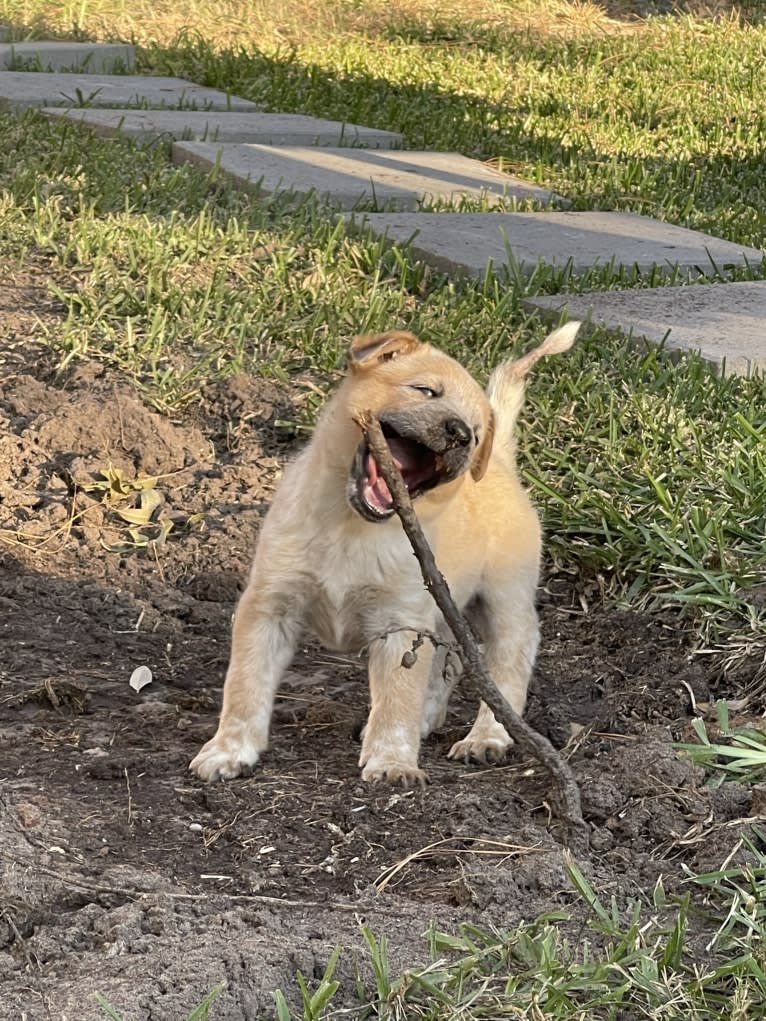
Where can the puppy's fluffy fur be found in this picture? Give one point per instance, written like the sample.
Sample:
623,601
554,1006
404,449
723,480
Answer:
333,558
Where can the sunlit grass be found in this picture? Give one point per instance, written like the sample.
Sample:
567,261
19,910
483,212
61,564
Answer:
258,23
728,753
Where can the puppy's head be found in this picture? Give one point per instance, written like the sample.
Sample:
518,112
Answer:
436,420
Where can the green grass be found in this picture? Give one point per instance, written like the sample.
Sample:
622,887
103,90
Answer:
633,961
733,898
740,755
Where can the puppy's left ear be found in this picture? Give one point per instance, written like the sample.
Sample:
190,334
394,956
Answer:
483,451
371,348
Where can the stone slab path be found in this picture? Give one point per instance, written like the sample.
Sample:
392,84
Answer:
55,56
463,243
20,89
278,152
215,126
725,323
400,179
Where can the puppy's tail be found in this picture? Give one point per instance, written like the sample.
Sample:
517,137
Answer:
507,383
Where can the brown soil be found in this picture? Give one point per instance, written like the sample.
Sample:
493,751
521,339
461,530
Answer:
121,873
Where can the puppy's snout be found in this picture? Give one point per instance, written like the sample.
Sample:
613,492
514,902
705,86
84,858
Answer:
458,433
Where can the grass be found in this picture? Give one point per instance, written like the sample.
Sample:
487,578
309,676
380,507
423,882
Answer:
741,756
634,961
650,472
734,896
287,22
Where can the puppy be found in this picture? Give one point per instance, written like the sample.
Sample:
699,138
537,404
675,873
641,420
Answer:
333,558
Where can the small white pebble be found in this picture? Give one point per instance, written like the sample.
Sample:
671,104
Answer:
195,827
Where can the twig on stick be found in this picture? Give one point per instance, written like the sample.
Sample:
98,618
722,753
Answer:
475,671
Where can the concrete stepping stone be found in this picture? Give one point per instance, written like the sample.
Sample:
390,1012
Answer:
725,323
265,128
463,243
20,89
55,56
346,177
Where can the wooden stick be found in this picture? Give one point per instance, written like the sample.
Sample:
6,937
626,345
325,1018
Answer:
474,669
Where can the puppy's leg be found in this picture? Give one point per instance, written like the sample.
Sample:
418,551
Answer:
445,671
397,694
511,636
263,643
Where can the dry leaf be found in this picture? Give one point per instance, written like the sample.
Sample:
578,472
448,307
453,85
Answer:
150,501
140,677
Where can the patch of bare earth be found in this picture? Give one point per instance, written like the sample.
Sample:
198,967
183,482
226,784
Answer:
120,872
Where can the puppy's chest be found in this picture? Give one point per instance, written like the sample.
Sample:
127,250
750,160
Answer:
358,590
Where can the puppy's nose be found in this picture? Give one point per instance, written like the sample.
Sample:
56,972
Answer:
458,433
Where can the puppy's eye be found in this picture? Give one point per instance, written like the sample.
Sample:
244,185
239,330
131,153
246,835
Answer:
427,391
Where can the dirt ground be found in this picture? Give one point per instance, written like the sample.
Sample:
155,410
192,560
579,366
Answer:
121,873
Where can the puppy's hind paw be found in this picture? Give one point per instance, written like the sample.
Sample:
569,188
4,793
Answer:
483,750
223,759
394,773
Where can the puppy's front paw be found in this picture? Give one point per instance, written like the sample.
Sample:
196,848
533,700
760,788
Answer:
224,758
480,749
393,772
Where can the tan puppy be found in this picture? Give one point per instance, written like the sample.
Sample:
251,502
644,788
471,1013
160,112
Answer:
332,556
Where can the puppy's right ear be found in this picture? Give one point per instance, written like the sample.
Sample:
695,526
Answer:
372,348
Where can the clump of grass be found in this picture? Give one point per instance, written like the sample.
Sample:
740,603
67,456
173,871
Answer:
316,1001
666,463
734,896
736,753
637,960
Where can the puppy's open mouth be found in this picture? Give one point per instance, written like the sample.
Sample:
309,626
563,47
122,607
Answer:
421,469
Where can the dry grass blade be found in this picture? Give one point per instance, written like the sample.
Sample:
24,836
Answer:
478,845
32,542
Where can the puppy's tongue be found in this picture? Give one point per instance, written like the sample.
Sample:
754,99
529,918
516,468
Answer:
376,492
